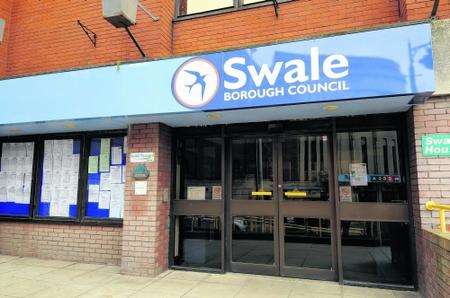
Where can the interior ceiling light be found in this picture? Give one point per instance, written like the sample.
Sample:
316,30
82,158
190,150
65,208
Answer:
330,108
70,125
214,116
15,129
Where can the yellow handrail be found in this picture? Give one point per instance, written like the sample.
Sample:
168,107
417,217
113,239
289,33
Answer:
430,205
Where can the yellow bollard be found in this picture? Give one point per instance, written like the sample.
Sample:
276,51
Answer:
430,205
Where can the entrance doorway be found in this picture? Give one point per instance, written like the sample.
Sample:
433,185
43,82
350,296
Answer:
314,199
280,218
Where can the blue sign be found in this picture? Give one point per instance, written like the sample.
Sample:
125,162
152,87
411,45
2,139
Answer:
389,62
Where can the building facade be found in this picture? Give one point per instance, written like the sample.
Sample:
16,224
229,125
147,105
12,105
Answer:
287,138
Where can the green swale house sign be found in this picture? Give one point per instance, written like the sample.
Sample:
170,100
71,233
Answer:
435,145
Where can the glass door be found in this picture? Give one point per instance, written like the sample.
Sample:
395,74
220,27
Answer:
280,218
253,208
306,217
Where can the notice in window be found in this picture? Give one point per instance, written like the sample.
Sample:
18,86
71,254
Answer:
358,174
196,193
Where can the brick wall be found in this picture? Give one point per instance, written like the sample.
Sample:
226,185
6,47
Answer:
430,177
62,242
5,14
145,224
433,263
45,35
414,10
298,19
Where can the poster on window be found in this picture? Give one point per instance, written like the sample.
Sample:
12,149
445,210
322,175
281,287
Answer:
358,174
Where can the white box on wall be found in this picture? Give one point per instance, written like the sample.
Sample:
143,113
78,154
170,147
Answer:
120,13
2,30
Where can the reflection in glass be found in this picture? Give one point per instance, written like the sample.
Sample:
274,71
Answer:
198,241
376,252
199,169
253,240
307,242
379,151
252,169
305,168
197,6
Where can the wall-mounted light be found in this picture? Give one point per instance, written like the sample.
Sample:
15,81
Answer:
2,30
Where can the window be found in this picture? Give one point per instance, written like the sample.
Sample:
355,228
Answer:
376,153
201,169
188,7
198,242
376,251
192,7
16,166
72,177
59,168
106,177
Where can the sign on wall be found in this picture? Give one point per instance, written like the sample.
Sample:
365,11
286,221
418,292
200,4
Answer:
436,145
380,63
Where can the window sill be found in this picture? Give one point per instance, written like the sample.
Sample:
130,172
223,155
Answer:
226,10
65,221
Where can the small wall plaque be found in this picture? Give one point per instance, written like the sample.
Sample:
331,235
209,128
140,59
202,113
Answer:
142,157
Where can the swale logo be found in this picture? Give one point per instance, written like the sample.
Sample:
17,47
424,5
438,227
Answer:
195,83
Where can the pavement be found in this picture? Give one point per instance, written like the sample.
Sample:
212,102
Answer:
31,277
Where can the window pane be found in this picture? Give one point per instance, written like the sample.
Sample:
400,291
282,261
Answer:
252,1
253,240
16,166
198,241
307,242
106,177
252,169
305,168
196,6
200,174
376,252
378,153
58,192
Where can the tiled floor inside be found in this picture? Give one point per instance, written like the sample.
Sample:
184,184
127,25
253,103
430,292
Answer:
30,277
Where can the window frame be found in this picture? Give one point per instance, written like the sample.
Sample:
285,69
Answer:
81,219
237,6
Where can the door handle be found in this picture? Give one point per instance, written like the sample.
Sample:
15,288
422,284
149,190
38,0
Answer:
261,193
295,194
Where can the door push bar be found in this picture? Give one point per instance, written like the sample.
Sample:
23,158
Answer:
262,193
430,205
295,194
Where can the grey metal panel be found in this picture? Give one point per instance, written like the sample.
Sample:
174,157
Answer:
258,208
374,211
184,207
306,209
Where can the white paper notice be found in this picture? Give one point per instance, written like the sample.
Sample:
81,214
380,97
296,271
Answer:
117,200
358,174
116,155
93,193
196,193
104,199
105,181
140,188
116,174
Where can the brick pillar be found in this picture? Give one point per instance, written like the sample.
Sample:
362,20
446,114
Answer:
430,176
145,238
430,180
